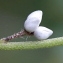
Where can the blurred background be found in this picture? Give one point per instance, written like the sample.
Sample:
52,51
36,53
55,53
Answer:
13,13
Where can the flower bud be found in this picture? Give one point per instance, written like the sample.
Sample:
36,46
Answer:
33,21
42,33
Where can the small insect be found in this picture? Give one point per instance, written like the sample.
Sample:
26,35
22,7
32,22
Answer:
31,27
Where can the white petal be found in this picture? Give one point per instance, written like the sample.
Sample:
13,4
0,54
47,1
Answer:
42,33
33,21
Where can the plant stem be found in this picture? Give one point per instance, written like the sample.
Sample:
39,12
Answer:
31,44
15,35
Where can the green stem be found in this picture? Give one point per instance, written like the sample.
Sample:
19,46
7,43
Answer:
31,44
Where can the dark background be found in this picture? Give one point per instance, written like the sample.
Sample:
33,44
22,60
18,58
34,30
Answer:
13,13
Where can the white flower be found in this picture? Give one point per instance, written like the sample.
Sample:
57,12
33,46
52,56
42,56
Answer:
32,25
42,32
33,21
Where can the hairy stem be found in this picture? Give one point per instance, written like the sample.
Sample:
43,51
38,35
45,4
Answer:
15,35
31,44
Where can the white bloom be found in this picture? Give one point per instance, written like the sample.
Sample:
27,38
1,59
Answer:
33,20
42,32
